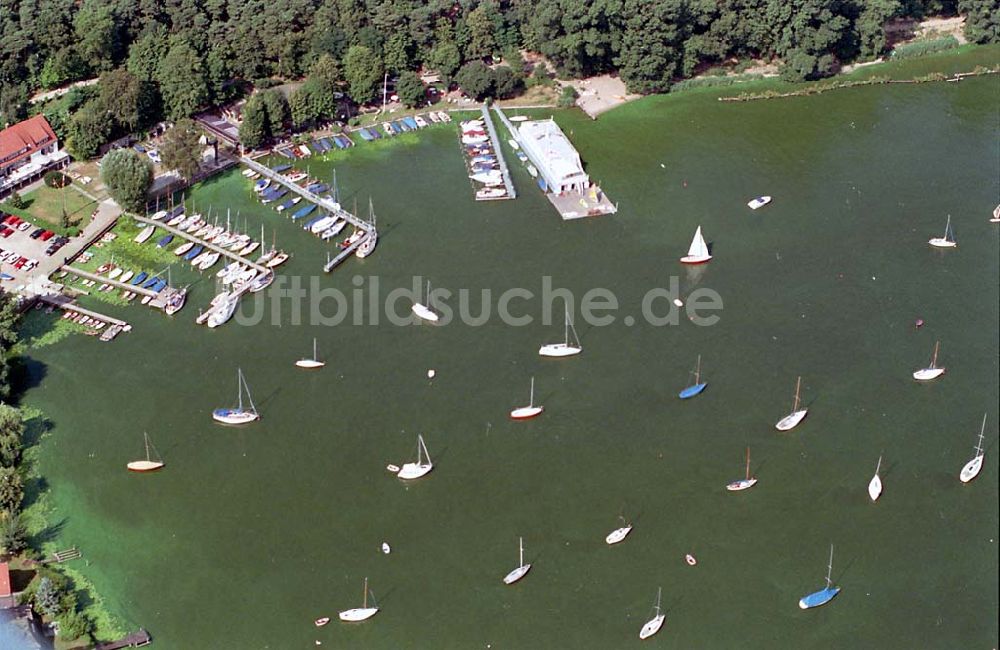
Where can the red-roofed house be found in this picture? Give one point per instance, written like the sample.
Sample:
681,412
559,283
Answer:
6,589
28,150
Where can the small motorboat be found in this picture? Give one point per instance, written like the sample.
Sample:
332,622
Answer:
759,202
385,548
690,560
392,468
320,622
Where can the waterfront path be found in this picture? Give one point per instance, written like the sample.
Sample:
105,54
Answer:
498,152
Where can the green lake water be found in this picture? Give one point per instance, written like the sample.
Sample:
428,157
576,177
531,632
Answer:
249,534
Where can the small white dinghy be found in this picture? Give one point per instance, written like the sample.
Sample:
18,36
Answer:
144,234
698,251
529,411
421,467
619,534
948,240
654,624
759,202
974,466
932,371
423,311
563,349
875,485
792,420
311,363
385,548
359,613
522,568
996,215
147,465
743,483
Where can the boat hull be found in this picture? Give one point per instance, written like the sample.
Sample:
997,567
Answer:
743,484
557,350
695,259
971,469
357,614
309,363
759,202
234,416
412,471
526,412
652,627
875,488
818,598
941,242
618,535
144,466
424,313
692,390
791,421
516,574
927,374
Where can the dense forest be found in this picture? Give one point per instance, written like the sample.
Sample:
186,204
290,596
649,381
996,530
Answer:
174,56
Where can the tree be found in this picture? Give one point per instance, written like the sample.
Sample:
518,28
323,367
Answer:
62,67
11,489
482,26
567,97
74,625
16,201
13,102
651,48
276,108
506,83
8,336
145,55
475,79
11,433
48,599
301,106
410,89
982,20
181,150
363,70
12,533
97,34
182,81
253,129
91,127
870,25
446,59
128,99
127,176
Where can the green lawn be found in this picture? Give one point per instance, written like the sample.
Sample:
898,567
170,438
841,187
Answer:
45,208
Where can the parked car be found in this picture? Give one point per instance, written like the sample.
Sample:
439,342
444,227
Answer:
7,232
37,232
24,225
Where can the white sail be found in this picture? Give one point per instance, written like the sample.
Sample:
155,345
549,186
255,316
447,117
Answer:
698,246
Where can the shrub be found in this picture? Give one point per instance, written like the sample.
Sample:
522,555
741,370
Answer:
57,179
920,48
16,201
567,97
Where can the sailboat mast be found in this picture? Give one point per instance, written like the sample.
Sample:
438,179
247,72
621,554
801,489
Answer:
531,397
829,569
659,593
146,438
314,350
748,463
239,388
979,445
364,598
937,345
520,555
697,371
798,385
566,329
878,466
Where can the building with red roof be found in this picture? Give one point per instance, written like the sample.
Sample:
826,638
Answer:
6,589
28,149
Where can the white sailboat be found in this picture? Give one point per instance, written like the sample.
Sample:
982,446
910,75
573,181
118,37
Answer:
563,349
311,363
424,311
996,215
948,240
421,467
973,467
147,465
529,411
239,414
698,251
144,234
932,371
359,613
619,534
654,624
792,420
759,202
743,483
875,485
522,568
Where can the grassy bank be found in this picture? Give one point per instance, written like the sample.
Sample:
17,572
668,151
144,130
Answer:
44,207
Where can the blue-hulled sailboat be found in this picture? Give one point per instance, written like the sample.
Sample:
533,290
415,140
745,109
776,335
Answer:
303,212
194,252
163,242
697,386
137,280
825,595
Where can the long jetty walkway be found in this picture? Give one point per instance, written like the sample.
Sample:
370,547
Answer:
134,640
329,205
66,303
498,152
344,254
102,279
201,242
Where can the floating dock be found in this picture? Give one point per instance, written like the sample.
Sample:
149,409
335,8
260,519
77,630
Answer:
345,253
66,303
508,183
201,242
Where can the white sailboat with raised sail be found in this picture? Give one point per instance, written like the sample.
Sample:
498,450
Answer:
359,613
654,624
148,465
423,311
932,371
529,411
948,240
314,362
421,467
744,483
974,466
792,420
698,251
875,485
563,349
522,568
238,414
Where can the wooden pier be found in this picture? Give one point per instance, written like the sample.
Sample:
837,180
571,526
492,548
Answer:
134,640
104,280
344,254
508,183
67,555
66,303
201,242
329,205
